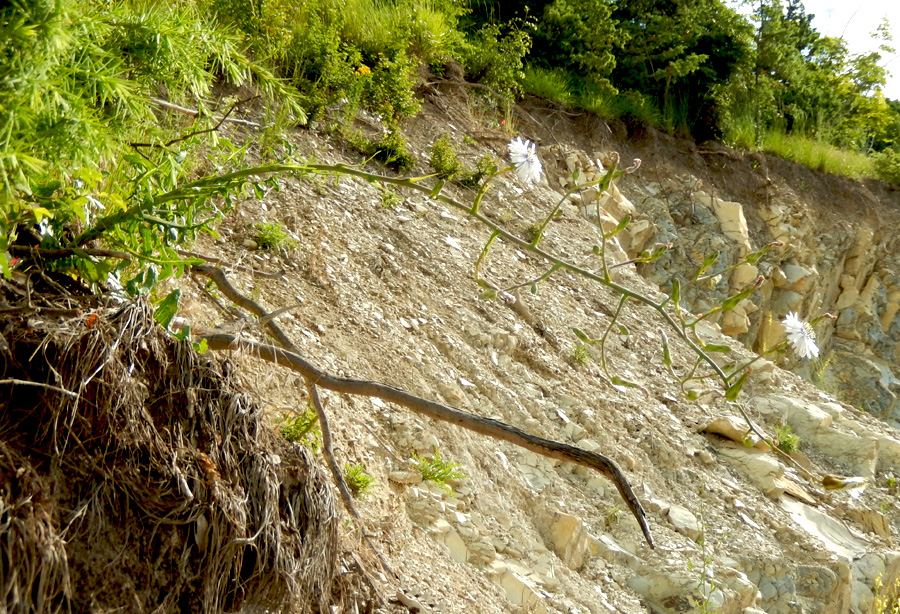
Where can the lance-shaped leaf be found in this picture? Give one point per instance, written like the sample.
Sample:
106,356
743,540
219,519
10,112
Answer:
735,389
167,308
621,226
667,355
708,262
582,336
488,295
712,347
652,256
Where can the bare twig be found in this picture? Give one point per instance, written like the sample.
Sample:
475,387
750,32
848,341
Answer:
228,265
165,104
328,450
437,411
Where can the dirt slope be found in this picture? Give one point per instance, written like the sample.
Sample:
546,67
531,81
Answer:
385,292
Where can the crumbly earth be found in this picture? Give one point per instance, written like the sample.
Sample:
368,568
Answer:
381,280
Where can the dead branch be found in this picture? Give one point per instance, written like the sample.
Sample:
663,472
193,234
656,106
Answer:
165,104
437,411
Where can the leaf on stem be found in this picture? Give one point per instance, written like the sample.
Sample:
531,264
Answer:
167,308
735,389
625,221
708,262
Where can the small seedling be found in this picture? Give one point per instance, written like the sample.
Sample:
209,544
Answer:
358,480
389,198
579,355
786,440
301,428
439,471
613,513
273,235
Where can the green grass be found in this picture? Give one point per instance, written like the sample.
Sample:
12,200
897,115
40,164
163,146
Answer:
553,85
816,155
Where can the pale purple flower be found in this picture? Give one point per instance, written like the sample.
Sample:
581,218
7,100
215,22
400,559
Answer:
801,336
523,155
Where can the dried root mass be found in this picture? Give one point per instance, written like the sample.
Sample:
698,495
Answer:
136,476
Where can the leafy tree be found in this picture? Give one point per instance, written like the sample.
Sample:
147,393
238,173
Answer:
680,53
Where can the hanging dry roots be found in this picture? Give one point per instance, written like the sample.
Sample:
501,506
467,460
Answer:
136,476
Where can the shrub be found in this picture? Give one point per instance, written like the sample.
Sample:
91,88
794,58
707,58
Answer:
301,428
496,59
391,150
273,235
786,440
443,158
887,166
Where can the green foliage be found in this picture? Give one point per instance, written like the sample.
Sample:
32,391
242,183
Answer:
786,440
355,54
485,166
302,428
578,36
391,150
443,158
552,84
274,236
358,479
495,56
439,470
887,166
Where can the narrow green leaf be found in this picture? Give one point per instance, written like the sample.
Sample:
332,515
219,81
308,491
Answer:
735,389
712,347
437,189
534,288
622,329
580,334
621,226
618,381
692,395
675,295
708,262
667,356
167,308
488,295
732,301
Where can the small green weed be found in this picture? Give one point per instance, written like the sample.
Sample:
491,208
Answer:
358,479
301,428
443,158
391,150
438,470
485,166
389,197
613,513
786,440
273,235
579,355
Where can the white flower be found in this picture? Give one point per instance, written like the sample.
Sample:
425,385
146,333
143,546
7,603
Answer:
523,155
800,335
